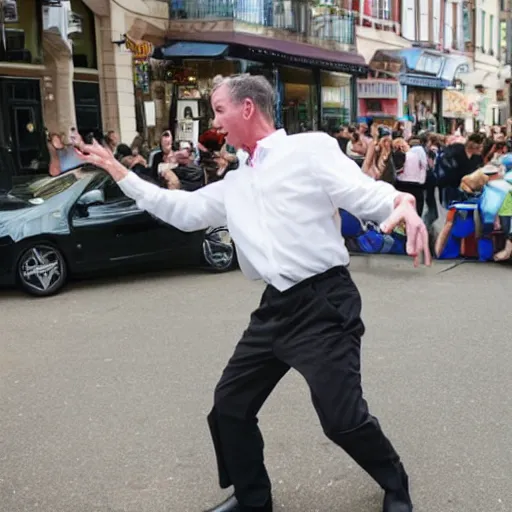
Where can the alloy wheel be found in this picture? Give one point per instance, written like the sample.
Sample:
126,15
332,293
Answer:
41,270
218,249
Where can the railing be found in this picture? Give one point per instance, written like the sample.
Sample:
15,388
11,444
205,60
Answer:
298,17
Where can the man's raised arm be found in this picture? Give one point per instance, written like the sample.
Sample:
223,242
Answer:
188,211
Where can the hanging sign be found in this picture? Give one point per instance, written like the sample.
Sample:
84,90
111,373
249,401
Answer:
141,50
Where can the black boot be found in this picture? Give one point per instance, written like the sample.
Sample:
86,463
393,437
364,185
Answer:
371,449
230,505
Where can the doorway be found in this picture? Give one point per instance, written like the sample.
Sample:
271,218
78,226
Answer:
23,124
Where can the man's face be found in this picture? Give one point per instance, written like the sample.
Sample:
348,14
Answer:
114,138
231,118
166,141
475,149
183,156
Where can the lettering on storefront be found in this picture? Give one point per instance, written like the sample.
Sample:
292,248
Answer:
377,89
424,81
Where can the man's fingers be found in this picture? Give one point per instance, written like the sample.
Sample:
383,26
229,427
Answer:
426,248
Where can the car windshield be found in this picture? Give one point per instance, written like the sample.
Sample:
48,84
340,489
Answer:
46,188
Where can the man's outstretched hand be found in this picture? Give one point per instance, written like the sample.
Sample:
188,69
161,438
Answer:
102,157
416,231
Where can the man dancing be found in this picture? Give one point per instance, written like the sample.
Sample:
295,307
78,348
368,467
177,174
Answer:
280,209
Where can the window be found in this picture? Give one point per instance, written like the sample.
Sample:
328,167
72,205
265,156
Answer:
467,23
503,39
491,34
22,32
482,35
455,25
381,9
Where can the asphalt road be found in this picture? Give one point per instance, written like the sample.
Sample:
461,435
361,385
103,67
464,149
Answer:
104,391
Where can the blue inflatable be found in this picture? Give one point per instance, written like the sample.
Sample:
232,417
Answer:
366,237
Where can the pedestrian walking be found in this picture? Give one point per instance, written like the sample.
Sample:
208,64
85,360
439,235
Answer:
280,208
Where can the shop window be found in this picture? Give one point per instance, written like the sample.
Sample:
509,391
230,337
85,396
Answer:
336,100
22,32
83,34
298,103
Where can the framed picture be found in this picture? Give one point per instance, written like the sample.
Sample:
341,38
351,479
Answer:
10,8
188,109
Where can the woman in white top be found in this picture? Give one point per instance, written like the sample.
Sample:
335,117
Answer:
411,172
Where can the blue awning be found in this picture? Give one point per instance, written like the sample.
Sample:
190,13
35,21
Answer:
190,50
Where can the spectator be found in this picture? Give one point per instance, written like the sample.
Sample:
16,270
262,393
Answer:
378,162
112,141
455,162
411,172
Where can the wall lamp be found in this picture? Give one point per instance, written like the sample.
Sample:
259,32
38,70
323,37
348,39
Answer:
121,41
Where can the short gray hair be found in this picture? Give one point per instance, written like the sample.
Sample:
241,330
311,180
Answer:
254,87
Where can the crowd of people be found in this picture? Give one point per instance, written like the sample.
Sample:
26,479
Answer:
423,163
427,165
172,164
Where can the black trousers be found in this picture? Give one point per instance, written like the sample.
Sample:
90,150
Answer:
314,327
415,189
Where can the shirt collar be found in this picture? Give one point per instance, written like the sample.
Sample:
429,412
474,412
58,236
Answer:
271,140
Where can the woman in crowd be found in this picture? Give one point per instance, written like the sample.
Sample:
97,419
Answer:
411,172
378,162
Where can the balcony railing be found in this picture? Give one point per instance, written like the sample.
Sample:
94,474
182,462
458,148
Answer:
293,16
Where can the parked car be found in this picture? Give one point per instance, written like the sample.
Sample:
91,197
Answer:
81,222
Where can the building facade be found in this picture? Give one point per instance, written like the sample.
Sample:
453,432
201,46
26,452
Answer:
62,65
426,49
307,50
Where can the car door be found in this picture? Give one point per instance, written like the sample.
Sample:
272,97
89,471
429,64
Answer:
117,232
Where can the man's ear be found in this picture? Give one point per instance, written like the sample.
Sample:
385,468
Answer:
248,109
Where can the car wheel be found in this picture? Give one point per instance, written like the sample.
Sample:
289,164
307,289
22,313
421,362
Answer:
41,269
219,253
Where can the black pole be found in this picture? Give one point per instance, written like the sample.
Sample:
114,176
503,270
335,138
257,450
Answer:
318,85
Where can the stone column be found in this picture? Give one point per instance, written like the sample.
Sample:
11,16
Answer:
58,95
116,75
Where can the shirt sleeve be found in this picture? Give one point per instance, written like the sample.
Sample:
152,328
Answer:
348,187
188,211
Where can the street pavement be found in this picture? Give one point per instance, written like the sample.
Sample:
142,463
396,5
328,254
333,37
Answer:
104,391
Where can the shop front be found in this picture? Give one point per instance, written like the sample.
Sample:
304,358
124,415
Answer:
423,74
315,88
379,99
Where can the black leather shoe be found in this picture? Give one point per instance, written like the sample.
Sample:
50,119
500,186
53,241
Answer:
397,502
230,505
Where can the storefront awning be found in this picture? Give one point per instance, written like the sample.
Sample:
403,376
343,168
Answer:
252,47
421,67
191,50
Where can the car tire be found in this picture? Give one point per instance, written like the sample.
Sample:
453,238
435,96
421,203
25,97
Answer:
219,254
41,269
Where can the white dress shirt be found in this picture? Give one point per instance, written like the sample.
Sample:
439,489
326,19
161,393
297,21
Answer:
279,208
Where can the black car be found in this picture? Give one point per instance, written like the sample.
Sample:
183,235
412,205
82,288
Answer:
81,222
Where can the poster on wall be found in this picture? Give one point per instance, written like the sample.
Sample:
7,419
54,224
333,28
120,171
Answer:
10,8
188,126
188,109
